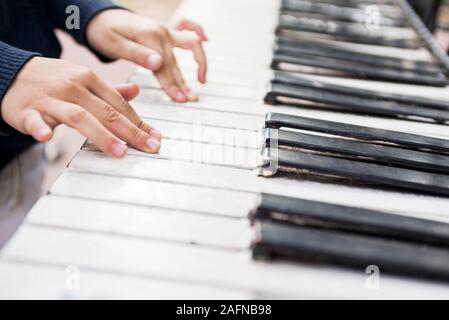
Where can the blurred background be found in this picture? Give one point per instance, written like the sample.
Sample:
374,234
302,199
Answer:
67,141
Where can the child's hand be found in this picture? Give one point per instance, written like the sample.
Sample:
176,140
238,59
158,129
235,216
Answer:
48,92
120,34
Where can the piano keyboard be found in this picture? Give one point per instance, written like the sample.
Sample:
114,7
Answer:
242,189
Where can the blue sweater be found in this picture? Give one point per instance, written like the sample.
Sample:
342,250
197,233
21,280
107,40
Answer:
27,30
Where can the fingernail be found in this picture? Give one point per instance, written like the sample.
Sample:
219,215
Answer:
180,96
155,134
44,133
119,149
153,61
193,98
188,93
153,145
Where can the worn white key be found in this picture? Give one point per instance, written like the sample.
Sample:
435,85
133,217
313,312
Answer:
184,114
204,266
230,105
239,71
142,76
155,194
211,89
144,222
424,207
208,134
37,282
217,56
182,172
205,153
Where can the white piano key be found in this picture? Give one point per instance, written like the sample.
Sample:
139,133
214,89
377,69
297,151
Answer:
237,70
197,152
184,114
248,77
170,171
211,89
248,11
38,282
223,57
425,207
206,102
208,134
155,194
138,221
204,266
143,76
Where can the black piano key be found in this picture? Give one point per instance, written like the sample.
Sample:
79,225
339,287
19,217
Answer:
355,104
293,48
407,140
298,80
375,153
361,71
351,32
352,250
407,179
351,219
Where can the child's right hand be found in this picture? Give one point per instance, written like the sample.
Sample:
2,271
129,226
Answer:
48,92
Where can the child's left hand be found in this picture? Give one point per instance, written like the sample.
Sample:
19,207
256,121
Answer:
120,34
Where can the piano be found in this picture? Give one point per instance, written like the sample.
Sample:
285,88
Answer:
314,166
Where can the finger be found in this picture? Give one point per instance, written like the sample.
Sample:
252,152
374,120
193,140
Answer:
120,126
35,126
113,98
140,54
200,57
169,81
165,74
186,24
190,42
177,75
128,91
81,120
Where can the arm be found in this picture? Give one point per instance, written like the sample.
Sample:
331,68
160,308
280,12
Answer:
11,62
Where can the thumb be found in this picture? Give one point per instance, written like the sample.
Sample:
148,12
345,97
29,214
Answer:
128,90
34,125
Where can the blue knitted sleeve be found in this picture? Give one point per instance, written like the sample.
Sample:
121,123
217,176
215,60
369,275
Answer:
11,62
88,9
